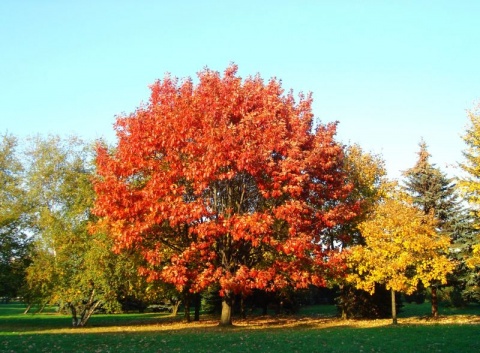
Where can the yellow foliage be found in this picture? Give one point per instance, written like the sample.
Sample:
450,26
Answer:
401,248
367,172
474,260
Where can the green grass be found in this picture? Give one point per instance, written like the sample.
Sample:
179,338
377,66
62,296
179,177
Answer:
147,333
425,309
445,338
12,319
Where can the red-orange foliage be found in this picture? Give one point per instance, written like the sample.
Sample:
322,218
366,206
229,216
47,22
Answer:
225,181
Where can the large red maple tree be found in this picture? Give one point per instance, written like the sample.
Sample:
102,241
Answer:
225,181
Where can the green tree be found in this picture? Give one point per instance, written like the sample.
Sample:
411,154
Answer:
69,264
434,193
72,265
469,183
14,242
466,277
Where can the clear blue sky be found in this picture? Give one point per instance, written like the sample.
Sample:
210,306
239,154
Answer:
391,72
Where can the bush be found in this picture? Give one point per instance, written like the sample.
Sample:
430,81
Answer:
356,303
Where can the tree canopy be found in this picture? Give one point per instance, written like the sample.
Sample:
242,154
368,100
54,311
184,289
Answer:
14,241
434,193
401,248
71,267
470,183
223,185
225,181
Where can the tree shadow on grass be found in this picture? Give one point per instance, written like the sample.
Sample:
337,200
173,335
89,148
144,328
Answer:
153,322
261,336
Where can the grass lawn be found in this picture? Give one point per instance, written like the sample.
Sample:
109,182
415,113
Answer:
314,330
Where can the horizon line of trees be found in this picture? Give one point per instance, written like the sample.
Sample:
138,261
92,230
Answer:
225,191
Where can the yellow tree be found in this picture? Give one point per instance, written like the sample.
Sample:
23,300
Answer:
401,249
366,171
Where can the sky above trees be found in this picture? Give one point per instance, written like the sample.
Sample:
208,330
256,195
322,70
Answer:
390,73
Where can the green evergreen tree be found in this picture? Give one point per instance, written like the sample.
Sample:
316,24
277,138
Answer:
434,192
469,183
465,279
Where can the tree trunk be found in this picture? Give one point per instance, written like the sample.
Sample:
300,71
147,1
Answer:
342,297
226,317
175,305
27,309
394,308
243,310
39,311
88,312
74,315
186,306
434,302
197,300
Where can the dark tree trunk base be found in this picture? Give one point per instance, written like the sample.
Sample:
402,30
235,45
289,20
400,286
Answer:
434,303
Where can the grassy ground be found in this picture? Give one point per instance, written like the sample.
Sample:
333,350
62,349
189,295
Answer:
313,330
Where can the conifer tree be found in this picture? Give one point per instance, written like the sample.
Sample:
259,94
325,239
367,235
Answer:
434,193
470,187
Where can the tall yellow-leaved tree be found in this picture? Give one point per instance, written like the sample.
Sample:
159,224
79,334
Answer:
401,248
